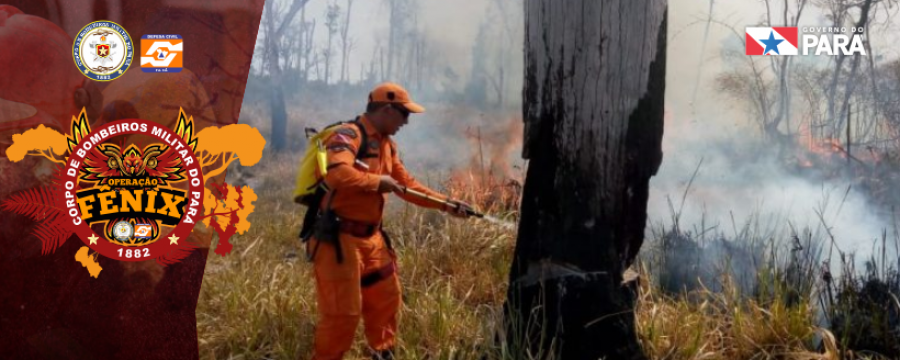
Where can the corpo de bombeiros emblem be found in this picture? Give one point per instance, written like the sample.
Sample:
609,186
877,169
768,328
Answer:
103,50
132,191
135,198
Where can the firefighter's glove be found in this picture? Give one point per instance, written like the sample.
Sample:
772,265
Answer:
388,184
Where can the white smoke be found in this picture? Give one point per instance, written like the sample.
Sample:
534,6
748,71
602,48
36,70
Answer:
741,179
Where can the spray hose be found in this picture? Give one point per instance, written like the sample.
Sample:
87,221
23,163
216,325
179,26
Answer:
454,205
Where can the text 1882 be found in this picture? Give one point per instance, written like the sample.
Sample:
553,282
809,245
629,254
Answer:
135,254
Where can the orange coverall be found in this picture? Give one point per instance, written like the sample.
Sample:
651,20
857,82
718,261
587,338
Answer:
341,298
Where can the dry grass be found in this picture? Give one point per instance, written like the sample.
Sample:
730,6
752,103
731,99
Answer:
724,326
259,302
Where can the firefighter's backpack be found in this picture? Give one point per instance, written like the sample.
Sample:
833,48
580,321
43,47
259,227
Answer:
314,164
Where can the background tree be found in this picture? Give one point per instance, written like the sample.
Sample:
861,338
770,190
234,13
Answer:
306,51
782,69
827,85
504,14
276,21
332,16
400,14
346,44
593,112
476,88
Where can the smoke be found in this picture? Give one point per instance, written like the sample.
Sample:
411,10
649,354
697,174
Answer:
466,60
742,179
451,30
463,141
739,180
452,26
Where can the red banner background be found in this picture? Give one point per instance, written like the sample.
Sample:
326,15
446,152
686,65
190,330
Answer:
49,305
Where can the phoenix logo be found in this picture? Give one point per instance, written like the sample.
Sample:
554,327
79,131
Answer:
130,191
146,198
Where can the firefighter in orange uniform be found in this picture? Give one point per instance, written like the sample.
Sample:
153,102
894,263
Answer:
358,279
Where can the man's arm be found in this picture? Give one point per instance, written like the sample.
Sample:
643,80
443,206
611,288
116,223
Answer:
341,149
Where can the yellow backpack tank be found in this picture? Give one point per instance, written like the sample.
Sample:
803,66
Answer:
314,164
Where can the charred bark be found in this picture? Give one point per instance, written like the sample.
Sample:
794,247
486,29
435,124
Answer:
593,112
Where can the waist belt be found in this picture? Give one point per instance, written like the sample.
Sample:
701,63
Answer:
380,274
356,228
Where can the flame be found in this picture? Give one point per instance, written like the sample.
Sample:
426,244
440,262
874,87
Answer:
80,129
489,181
185,129
814,151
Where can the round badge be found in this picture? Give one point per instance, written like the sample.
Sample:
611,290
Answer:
103,50
123,231
138,192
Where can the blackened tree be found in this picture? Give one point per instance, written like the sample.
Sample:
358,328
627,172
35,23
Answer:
593,113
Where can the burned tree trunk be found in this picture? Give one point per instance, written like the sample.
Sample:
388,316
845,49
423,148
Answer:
593,110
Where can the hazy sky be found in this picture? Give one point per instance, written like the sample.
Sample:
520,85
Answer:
726,183
452,25
709,129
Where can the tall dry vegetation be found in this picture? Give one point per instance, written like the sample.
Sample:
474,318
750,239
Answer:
752,295
259,302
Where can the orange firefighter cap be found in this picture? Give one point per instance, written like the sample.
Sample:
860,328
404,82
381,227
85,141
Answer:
392,93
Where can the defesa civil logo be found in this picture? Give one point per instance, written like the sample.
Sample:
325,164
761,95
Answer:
813,40
102,50
162,53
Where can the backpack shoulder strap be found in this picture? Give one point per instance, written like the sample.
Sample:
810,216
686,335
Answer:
363,152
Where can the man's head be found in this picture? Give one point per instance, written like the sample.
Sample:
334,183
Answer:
389,108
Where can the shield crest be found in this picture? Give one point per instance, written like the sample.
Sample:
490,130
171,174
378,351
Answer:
103,50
